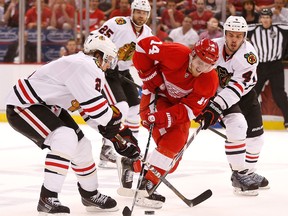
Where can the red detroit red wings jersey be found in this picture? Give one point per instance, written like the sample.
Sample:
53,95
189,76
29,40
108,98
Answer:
182,89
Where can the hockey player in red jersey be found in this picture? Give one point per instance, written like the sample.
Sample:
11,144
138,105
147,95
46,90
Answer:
37,107
237,104
186,80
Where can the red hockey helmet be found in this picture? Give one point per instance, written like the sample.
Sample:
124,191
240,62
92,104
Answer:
207,50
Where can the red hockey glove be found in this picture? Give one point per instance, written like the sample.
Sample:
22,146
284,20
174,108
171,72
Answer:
128,149
152,79
112,128
210,114
160,119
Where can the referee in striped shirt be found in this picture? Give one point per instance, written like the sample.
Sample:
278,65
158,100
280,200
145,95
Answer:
270,41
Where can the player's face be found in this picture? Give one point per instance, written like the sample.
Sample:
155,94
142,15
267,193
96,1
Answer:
198,66
140,17
233,41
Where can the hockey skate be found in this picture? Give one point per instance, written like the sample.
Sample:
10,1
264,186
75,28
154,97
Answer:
126,173
97,202
244,184
107,155
262,182
155,200
50,205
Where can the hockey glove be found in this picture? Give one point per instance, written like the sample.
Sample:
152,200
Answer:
130,147
210,114
160,119
112,128
152,79
112,73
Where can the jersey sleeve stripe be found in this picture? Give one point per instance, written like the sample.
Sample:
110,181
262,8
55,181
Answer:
239,86
33,92
25,93
99,114
96,107
91,101
18,95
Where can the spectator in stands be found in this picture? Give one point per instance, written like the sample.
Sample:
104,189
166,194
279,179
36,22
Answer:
261,4
212,6
69,48
96,16
171,17
11,16
12,54
107,6
238,4
230,11
186,6
62,15
213,30
280,13
200,17
249,13
31,16
185,34
2,4
123,10
160,30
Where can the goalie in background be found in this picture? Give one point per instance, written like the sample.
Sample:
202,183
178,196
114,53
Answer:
124,32
37,107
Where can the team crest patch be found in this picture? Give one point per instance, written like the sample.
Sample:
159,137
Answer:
224,76
120,21
251,58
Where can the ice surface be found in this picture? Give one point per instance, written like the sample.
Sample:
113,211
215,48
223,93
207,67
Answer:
204,166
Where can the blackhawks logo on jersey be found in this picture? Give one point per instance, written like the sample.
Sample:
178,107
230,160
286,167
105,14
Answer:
251,58
126,52
223,75
74,106
120,21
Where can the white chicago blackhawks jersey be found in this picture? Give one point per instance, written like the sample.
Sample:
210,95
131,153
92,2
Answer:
236,73
70,82
122,32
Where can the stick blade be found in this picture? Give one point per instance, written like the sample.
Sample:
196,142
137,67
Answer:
126,211
202,197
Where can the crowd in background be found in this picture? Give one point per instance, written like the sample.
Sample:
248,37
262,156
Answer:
183,21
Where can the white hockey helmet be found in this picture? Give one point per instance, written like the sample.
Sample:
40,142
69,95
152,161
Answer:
102,43
236,24
143,5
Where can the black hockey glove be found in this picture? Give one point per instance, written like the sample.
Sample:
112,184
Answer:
112,128
112,73
210,114
128,146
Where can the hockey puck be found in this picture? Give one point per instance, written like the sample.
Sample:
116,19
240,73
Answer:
149,212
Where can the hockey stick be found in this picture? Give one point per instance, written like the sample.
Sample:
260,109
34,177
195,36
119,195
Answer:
217,132
126,211
190,202
130,81
177,157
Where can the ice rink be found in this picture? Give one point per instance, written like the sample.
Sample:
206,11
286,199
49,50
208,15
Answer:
204,166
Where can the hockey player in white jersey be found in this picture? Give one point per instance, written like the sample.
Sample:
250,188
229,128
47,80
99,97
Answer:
237,104
37,107
124,32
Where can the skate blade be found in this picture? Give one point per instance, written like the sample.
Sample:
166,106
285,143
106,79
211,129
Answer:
127,192
50,214
97,209
239,192
148,203
265,188
107,165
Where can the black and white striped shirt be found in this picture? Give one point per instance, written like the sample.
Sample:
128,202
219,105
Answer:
270,43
